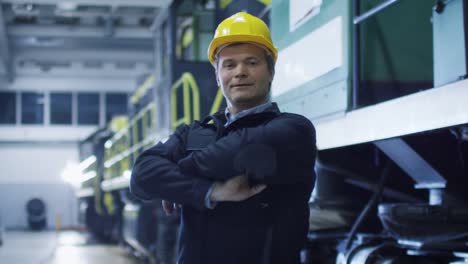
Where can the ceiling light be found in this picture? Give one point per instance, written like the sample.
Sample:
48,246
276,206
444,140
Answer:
67,6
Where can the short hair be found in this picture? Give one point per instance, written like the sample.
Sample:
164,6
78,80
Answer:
268,57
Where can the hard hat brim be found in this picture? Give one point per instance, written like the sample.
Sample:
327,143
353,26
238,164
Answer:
220,41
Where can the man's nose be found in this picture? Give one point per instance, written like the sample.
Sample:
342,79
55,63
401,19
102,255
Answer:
241,70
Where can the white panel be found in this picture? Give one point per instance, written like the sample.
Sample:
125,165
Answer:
302,10
92,84
314,55
431,109
45,133
449,43
35,163
34,170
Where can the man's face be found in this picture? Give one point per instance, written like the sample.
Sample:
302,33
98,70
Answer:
243,76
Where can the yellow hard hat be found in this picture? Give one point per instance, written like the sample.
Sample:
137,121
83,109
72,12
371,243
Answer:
241,27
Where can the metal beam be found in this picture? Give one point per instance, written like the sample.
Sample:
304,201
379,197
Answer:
434,108
373,11
110,55
115,83
58,134
81,32
425,176
89,44
5,57
136,3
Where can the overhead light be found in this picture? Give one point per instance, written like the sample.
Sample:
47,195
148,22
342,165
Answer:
67,6
73,174
29,7
127,174
24,10
45,41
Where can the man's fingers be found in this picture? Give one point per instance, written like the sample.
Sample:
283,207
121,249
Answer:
257,189
235,189
168,207
247,192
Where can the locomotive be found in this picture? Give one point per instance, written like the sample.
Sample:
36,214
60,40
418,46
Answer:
384,84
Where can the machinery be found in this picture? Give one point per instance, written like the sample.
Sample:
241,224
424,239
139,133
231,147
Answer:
384,83
36,214
93,212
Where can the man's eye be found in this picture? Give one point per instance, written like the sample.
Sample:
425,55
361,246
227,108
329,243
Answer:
253,62
228,65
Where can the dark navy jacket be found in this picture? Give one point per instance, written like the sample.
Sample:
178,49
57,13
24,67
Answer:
274,148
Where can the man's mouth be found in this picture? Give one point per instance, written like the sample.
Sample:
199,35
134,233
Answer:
241,85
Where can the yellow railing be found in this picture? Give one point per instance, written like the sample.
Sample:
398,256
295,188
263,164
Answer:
142,89
265,2
123,145
191,100
224,3
217,102
119,148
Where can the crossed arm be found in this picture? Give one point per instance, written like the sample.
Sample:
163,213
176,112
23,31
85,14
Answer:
156,174
280,152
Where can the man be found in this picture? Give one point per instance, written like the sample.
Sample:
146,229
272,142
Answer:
243,177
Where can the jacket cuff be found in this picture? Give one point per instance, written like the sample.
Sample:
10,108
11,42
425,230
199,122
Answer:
208,203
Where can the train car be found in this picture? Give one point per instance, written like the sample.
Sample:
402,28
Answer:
94,212
385,84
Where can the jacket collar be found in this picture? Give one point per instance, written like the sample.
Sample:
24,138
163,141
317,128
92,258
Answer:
220,117
230,118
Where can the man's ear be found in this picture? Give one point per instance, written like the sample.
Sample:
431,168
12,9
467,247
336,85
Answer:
217,79
270,80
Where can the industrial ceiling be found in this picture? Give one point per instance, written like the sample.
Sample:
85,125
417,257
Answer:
80,38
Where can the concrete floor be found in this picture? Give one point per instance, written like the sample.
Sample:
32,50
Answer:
65,247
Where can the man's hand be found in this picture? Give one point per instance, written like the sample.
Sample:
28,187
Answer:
235,189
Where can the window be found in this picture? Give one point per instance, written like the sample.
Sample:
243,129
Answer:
32,108
7,108
206,26
116,104
195,26
60,108
88,108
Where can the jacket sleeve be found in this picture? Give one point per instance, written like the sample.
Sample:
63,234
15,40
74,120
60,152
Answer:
156,174
280,152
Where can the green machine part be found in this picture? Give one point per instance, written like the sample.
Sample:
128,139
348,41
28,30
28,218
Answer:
449,43
314,68
396,51
396,44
